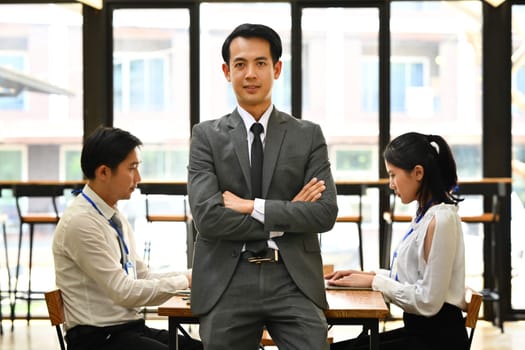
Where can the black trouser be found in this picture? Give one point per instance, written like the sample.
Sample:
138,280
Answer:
134,335
445,330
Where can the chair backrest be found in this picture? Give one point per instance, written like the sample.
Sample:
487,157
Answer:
55,309
162,208
152,190
474,300
390,216
491,192
41,190
356,190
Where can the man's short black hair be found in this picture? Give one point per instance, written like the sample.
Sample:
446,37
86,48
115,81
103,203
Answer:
106,146
249,30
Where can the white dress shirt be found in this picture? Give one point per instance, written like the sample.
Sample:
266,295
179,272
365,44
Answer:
96,289
258,204
421,287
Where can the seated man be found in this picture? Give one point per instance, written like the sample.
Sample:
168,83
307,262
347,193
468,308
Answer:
103,280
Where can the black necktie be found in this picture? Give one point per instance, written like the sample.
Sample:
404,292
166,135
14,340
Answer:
124,257
256,173
257,160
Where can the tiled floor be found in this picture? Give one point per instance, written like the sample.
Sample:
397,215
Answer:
40,335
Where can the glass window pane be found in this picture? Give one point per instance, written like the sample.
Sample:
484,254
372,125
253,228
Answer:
518,163
151,86
340,86
435,75
152,101
71,163
217,98
41,111
13,157
341,93
40,87
14,102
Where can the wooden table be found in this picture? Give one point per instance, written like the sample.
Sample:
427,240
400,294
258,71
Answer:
347,307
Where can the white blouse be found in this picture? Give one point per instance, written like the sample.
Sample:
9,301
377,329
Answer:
420,287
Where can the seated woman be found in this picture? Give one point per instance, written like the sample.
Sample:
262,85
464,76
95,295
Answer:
427,274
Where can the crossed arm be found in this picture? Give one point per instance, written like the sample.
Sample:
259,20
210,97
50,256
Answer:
310,192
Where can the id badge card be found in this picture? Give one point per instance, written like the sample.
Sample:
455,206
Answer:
130,269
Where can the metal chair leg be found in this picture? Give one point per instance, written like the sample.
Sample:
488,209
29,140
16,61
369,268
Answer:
29,291
17,274
360,233
8,288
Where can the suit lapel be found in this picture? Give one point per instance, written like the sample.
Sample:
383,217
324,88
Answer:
272,147
240,145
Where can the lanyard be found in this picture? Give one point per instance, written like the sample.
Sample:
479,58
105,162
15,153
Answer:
111,222
410,231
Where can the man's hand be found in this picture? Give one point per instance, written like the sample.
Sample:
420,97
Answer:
311,192
234,202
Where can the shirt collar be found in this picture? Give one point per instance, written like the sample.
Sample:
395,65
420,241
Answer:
104,208
248,119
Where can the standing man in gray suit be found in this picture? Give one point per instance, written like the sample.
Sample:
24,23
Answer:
239,289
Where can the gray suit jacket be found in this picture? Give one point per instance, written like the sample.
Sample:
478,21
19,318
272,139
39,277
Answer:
295,152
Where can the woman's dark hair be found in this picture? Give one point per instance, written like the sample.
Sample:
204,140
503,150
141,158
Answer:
248,30
433,153
106,146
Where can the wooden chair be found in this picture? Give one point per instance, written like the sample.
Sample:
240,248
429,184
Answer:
266,339
48,215
55,308
474,300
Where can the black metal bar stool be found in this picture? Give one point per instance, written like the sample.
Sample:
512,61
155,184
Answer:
493,194
5,292
28,215
357,191
152,190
